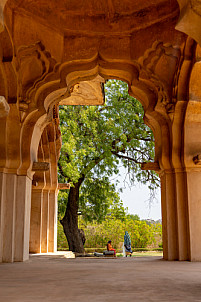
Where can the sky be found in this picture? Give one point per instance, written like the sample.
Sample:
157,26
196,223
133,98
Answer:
136,199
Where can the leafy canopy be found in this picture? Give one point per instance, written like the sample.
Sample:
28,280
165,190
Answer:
97,140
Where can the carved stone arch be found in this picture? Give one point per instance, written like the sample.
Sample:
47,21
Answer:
54,87
43,226
58,85
183,90
144,84
8,91
154,120
54,82
31,132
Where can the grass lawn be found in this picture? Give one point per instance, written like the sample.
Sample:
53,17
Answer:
144,254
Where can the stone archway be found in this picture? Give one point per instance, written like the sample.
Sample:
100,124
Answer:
44,55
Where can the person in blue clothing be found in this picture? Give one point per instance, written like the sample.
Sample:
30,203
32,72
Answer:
127,242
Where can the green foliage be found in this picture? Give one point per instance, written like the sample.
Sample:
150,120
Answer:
92,192
62,243
133,217
141,233
62,202
96,139
143,236
99,198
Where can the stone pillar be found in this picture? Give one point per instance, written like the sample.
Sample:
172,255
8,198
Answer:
194,212
164,217
15,201
36,221
8,216
182,215
175,215
52,240
192,155
45,222
181,189
169,212
22,218
1,213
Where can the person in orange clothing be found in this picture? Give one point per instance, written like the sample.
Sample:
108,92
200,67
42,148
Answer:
109,247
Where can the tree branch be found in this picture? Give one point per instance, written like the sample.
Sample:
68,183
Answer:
126,157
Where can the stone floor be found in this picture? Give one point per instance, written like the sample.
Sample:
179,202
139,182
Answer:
56,278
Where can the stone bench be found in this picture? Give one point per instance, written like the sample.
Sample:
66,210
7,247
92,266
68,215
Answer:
108,253
105,254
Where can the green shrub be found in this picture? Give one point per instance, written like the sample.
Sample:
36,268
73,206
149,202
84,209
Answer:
141,249
62,243
97,235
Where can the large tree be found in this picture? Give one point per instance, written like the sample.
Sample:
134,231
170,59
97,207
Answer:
96,139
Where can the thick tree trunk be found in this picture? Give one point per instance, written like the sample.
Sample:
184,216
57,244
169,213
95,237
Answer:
70,220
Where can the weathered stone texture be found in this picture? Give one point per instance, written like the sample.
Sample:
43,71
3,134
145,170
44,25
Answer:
55,52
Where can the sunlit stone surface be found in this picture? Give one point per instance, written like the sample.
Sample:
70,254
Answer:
59,52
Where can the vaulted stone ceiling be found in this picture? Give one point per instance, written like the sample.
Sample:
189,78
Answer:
109,16
46,37
57,23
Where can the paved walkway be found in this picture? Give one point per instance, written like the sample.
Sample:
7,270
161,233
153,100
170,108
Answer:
55,278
